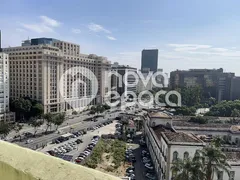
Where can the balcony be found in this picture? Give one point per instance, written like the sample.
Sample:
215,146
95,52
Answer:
17,163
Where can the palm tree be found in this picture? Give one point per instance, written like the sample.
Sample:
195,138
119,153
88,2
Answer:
214,160
188,169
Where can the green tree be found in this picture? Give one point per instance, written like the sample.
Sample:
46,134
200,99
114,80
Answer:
189,169
206,162
225,109
199,120
36,123
17,128
59,119
212,101
5,128
49,118
215,161
186,111
235,113
37,110
191,95
22,107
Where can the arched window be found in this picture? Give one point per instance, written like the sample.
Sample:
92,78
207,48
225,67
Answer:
185,155
175,155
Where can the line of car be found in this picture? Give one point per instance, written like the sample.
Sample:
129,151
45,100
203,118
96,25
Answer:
99,125
146,159
130,157
74,135
68,147
83,155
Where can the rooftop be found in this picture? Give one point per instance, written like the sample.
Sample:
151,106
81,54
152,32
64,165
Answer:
184,123
233,156
159,129
181,137
158,115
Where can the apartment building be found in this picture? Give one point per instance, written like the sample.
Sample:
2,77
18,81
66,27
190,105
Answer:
5,114
38,70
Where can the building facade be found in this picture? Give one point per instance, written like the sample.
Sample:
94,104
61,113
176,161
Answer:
167,142
235,88
5,114
149,60
123,80
214,82
39,71
166,145
144,86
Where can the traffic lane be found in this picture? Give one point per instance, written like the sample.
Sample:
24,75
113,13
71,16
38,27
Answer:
43,140
69,121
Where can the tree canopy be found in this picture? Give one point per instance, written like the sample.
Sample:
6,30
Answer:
225,109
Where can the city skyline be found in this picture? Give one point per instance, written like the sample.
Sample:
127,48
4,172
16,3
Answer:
203,36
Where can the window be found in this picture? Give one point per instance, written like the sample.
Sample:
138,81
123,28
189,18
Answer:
175,155
185,155
232,175
220,175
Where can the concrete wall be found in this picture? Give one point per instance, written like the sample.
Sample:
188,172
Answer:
17,163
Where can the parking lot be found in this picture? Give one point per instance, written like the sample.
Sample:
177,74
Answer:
74,147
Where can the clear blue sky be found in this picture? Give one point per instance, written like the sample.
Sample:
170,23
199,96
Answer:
188,33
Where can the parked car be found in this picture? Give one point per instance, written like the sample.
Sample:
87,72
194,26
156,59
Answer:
133,159
130,168
146,161
150,176
129,141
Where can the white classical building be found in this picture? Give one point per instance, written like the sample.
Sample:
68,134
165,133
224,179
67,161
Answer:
57,74
5,115
166,144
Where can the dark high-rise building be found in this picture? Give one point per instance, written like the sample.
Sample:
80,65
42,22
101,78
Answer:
149,60
213,82
235,88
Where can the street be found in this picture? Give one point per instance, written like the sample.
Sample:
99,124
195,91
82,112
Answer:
70,125
139,166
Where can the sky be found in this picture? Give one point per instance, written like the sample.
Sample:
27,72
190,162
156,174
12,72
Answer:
188,33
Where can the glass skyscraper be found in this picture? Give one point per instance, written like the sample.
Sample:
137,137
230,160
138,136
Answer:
149,60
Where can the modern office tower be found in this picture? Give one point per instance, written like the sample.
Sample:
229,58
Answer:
125,81
36,71
214,82
149,60
5,115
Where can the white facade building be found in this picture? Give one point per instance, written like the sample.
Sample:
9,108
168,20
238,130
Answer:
5,115
38,70
166,144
